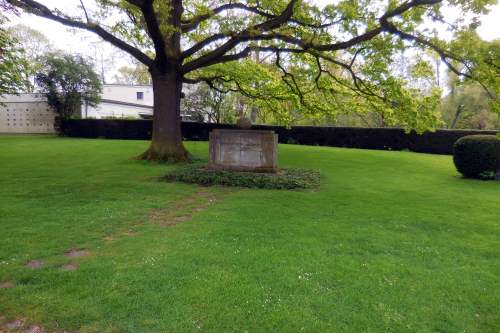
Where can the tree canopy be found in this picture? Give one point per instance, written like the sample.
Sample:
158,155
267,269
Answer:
68,81
14,67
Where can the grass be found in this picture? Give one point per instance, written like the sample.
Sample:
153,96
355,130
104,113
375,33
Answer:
391,241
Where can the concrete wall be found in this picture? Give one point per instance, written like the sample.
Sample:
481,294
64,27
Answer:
26,113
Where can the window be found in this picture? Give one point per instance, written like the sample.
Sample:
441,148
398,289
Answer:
140,95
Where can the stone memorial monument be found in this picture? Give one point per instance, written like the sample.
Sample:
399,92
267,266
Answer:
243,149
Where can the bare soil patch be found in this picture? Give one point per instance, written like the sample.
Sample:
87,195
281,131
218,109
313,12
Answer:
183,210
35,329
35,264
70,267
14,325
6,284
75,253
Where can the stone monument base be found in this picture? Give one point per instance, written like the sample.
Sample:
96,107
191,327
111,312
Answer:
243,150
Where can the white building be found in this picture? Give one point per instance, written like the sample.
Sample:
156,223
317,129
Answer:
122,101
30,113
127,101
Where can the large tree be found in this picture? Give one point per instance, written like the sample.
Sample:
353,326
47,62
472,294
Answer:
349,42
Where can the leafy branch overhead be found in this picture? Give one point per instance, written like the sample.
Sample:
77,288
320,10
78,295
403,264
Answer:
294,27
287,27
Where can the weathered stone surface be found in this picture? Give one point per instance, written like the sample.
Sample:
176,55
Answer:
244,150
244,123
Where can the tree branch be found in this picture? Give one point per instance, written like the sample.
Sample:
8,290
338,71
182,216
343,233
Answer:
217,54
153,30
194,22
85,11
38,9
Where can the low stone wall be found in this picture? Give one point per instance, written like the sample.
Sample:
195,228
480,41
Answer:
438,142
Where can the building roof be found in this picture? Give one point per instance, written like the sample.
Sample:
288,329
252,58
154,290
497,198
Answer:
111,101
23,98
127,85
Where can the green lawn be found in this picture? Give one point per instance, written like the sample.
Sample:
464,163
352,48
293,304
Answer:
392,241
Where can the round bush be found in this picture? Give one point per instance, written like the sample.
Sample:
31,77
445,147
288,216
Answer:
477,156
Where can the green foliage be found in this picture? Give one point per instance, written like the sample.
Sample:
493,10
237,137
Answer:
14,66
34,43
483,62
68,81
468,106
205,104
300,94
35,46
285,179
137,74
477,156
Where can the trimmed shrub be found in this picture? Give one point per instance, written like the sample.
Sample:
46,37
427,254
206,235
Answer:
285,179
477,156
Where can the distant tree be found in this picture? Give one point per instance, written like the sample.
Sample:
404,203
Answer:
205,104
68,81
136,74
483,62
468,106
14,68
34,43
35,46
473,101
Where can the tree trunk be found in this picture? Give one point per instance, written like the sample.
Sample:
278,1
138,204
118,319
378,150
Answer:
166,144
460,109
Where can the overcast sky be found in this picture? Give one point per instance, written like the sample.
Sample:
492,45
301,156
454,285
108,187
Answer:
88,44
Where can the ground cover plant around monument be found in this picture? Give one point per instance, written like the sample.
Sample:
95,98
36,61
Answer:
283,179
90,241
319,60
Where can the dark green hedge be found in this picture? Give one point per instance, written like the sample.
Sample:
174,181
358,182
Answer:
439,142
477,156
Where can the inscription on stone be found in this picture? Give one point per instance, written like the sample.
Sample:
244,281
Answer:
243,150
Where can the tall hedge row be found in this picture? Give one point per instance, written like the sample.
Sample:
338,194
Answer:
438,142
